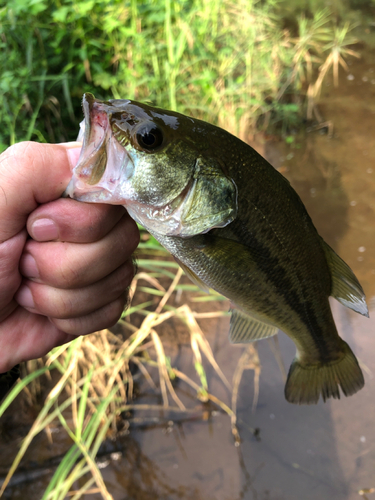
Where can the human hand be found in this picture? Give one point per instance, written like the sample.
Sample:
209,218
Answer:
70,278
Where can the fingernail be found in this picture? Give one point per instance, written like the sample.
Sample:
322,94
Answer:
73,150
24,297
71,144
28,266
44,230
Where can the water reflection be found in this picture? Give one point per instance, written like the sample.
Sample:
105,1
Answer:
336,177
138,476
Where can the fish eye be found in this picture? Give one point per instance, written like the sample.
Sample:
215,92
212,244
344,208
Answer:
149,137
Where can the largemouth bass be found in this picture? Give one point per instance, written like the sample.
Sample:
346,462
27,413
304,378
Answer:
234,224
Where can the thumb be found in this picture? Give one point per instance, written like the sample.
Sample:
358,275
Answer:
32,174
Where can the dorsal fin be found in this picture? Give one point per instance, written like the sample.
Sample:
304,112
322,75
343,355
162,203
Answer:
345,286
245,328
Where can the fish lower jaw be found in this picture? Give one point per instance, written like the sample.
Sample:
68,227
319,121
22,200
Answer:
94,195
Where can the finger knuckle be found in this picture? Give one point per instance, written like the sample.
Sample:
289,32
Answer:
130,234
58,304
106,317
115,309
124,276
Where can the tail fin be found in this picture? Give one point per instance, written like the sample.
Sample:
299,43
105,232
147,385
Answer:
306,383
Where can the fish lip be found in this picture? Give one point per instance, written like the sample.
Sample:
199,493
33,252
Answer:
94,134
89,103
95,194
88,196
86,100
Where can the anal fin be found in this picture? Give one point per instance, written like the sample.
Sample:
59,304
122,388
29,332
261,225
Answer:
245,328
345,286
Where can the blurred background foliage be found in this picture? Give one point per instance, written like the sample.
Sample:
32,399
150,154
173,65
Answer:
240,63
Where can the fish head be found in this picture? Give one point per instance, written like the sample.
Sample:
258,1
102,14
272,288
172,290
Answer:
156,163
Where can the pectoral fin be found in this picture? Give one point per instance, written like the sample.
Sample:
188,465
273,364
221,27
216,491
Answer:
245,328
345,286
238,272
211,201
194,278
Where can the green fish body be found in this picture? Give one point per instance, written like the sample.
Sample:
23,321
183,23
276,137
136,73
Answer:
234,224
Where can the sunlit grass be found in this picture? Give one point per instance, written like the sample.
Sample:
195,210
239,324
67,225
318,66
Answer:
336,50
366,491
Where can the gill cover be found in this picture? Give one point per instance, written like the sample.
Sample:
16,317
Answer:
208,200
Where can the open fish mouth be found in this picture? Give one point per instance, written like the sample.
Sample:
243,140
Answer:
102,160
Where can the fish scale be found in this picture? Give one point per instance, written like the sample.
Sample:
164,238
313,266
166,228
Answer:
234,224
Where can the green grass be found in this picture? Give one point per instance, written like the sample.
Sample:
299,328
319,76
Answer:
235,63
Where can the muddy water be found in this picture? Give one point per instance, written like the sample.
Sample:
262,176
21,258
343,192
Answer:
325,451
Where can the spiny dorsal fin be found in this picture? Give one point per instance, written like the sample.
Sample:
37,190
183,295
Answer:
306,383
345,286
245,328
194,278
